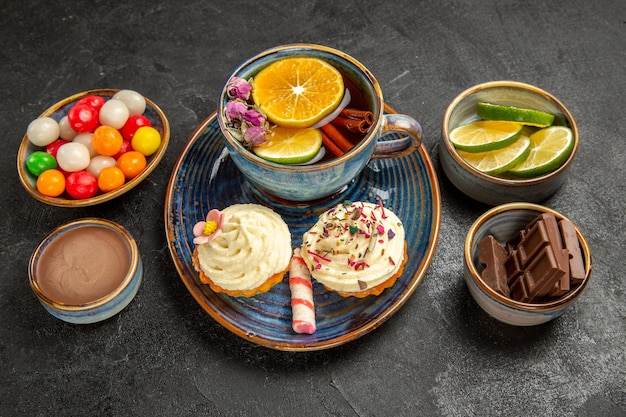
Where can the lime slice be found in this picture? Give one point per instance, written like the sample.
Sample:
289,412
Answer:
500,160
549,148
529,117
289,145
485,135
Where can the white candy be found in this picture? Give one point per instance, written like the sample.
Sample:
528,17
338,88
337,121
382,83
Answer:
43,131
73,156
135,102
114,113
85,139
98,163
65,130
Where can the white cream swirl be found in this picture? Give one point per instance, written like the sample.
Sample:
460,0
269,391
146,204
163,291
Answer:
255,244
354,247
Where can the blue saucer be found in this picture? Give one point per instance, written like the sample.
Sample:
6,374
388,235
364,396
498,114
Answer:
205,177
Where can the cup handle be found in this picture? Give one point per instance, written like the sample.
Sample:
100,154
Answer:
398,123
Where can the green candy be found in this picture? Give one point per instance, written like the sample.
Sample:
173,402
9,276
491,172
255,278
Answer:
39,161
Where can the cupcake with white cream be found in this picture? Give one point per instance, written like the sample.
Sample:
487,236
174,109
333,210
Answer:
356,249
242,250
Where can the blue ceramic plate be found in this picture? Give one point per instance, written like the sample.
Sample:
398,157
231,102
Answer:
205,177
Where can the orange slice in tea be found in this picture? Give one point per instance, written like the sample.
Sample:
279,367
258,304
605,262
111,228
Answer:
298,92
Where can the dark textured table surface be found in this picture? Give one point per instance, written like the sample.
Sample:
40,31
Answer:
440,355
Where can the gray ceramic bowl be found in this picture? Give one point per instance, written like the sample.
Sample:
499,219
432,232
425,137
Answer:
59,110
78,287
490,189
503,222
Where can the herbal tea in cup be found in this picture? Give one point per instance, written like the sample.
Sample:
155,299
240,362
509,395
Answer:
301,121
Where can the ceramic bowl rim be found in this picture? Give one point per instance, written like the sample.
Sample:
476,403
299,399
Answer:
242,151
445,132
518,305
152,160
74,224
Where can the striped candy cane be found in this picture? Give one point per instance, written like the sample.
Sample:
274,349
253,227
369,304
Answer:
303,311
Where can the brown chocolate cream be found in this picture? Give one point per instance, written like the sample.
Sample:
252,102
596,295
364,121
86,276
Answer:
83,265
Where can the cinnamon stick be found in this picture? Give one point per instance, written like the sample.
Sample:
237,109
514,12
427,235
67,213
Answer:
330,145
358,115
336,136
353,125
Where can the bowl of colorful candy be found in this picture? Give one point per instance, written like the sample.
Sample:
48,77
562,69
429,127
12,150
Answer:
525,264
506,141
92,147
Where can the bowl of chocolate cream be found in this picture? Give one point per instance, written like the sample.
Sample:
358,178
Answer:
525,264
86,271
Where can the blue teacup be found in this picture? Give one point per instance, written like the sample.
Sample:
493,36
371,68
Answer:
320,180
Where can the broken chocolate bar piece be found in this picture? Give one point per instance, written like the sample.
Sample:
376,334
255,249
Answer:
570,242
519,292
535,239
543,232
493,256
541,262
513,267
543,273
511,245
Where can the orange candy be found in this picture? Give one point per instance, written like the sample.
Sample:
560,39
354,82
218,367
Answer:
131,163
107,140
111,178
51,183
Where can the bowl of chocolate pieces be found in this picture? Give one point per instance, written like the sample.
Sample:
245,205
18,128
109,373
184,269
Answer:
525,264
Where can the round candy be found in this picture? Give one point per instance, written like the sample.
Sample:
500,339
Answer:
43,131
133,123
107,140
81,184
93,101
86,139
126,146
131,163
39,161
65,130
51,183
53,148
111,178
82,118
114,113
73,157
98,163
135,102
146,140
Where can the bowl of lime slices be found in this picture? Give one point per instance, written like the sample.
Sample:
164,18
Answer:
505,141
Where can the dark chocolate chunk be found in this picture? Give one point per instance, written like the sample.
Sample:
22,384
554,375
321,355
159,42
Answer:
542,274
511,245
541,262
513,267
493,256
554,236
535,239
519,292
570,242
